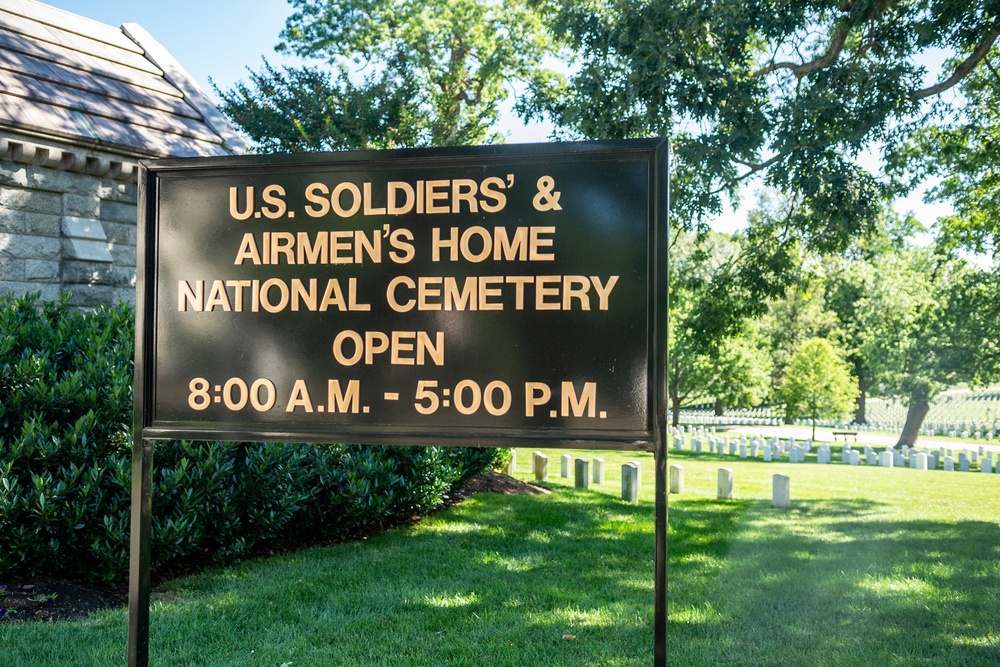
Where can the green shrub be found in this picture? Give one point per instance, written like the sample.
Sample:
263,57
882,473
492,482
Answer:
65,462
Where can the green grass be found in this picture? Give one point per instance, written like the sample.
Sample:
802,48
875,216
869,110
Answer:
870,567
494,581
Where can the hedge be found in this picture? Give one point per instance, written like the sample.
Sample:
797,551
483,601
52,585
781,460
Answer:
65,462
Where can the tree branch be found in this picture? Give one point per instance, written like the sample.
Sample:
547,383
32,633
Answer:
754,167
963,68
803,69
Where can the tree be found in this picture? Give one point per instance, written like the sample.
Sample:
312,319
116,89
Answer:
962,339
963,150
435,72
309,108
787,92
740,376
799,314
817,383
879,301
715,349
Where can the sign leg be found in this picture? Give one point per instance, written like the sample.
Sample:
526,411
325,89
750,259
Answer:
660,559
139,553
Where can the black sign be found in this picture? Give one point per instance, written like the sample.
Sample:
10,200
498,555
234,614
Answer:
452,296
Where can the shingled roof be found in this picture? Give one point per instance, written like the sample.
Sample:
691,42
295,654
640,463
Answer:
68,78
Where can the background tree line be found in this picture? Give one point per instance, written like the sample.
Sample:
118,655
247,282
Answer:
835,108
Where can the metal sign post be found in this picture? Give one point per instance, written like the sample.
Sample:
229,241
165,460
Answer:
490,296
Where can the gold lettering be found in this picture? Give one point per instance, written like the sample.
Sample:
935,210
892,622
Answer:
603,291
355,200
393,190
312,252
543,290
299,397
464,189
537,243
318,194
429,287
188,296
248,250
390,294
436,192
486,292
218,296
300,293
575,287
369,209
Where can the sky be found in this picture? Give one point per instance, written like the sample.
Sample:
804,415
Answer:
218,40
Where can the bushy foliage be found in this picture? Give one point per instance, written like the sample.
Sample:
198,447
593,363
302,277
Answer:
65,462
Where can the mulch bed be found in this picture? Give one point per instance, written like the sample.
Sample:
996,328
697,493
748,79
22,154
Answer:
50,599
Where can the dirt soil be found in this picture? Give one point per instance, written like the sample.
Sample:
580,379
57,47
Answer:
50,599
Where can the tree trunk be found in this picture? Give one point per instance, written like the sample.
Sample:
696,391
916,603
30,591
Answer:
720,408
859,413
675,410
914,419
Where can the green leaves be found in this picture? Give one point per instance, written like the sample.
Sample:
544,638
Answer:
396,74
817,383
65,462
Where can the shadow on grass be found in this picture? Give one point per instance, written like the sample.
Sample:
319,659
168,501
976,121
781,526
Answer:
564,579
830,582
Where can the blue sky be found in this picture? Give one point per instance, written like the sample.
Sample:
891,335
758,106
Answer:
210,38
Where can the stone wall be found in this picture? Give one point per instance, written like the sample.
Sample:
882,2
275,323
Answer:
67,222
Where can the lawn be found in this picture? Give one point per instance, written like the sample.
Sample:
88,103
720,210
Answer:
870,567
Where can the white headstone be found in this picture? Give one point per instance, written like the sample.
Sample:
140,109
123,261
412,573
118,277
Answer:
921,463
949,464
855,457
725,484
676,478
598,471
541,466
638,473
630,483
781,493
886,459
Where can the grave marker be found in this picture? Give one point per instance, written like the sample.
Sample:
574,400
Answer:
541,466
676,478
725,490
781,492
598,471
582,474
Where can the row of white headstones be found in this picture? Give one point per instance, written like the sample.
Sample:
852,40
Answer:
773,449
631,472
781,490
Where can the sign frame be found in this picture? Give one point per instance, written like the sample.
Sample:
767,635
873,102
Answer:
146,429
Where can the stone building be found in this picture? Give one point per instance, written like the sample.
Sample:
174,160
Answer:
81,103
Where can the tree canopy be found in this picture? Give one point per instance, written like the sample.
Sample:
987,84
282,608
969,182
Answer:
435,73
817,383
793,92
